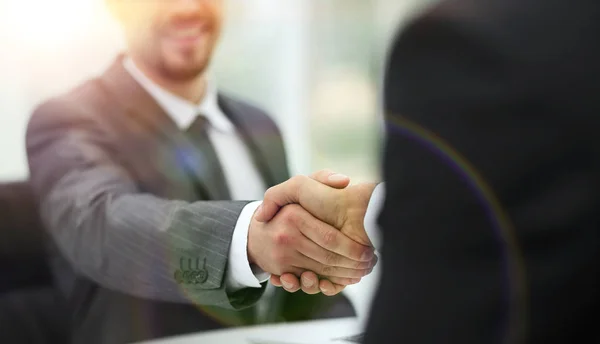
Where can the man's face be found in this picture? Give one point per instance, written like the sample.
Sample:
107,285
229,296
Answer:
174,38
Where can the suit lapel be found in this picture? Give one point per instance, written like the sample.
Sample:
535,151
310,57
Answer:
262,139
143,109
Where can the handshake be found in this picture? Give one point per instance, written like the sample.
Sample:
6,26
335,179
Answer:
309,233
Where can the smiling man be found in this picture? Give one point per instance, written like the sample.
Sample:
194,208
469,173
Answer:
143,177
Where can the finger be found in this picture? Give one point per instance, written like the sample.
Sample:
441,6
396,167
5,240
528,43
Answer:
312,250
374,261
330,289
275,280
303,262
310,282
342,281
290,282
330,239
292,191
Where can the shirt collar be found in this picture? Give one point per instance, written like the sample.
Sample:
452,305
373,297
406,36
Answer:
180,110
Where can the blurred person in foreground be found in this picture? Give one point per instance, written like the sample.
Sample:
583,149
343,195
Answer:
135,172
490,223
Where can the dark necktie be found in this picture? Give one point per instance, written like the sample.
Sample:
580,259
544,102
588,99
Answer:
213,179
209,167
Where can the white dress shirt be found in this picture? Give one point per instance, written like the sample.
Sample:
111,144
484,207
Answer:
373,210
234,158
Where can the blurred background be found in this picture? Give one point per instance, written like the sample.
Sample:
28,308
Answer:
315,65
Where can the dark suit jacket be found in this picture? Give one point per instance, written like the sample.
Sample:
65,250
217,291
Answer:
124,205
22,255
492,164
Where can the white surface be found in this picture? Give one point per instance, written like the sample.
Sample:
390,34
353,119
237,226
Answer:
311,332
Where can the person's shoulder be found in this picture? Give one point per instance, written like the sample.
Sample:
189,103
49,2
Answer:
72,106
457,42
244,107
488,39
442,23
509,29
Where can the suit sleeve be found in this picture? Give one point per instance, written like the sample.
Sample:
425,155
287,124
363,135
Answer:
457,131
110,232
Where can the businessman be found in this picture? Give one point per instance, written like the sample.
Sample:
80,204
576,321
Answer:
491,167
135,172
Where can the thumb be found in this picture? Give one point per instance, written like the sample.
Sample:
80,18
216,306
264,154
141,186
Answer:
288,191
330,178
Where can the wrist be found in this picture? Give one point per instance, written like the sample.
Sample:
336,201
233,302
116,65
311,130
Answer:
365,193
357,212
251,241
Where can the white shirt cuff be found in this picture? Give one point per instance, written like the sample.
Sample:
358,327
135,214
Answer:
373,209
240,274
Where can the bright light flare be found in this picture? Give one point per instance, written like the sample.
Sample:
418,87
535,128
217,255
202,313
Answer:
36,23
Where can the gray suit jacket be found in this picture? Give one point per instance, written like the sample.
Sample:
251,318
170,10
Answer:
123,203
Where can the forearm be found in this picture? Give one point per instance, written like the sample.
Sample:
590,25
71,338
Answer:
134,243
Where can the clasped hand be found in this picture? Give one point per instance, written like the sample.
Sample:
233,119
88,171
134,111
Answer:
309,233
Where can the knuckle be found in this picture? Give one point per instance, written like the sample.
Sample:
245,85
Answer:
270,193
331,258
282,238
349,281
299,183
294,183
359,265
327,270
358,251
287,215
330,238
290,210
291,215
299,179
291,220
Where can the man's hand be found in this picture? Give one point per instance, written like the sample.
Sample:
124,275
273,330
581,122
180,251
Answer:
294,241
343,208
355,207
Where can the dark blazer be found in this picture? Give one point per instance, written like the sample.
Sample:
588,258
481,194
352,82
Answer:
22,255
124,206
492,168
